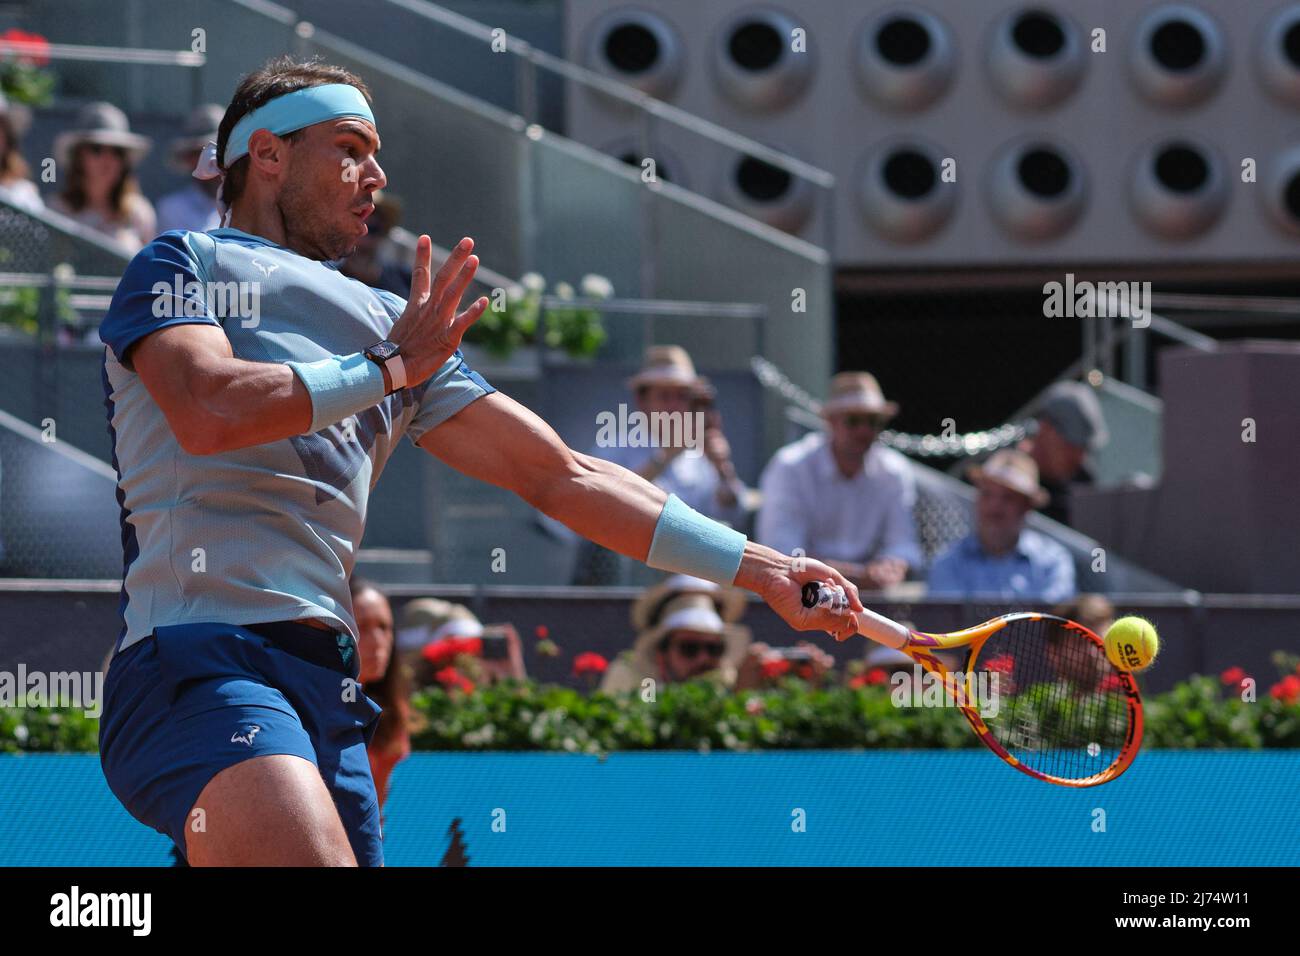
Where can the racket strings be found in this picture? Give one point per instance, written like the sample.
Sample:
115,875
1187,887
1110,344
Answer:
1061,706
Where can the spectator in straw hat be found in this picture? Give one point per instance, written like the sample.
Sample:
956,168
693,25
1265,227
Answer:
841,495
96,161
193,207
1001,556
693,461
686,629
16,188
1070,426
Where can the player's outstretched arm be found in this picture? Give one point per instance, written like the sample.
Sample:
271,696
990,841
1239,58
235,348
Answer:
499,441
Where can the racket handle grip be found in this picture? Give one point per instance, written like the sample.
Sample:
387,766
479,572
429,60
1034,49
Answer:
871,625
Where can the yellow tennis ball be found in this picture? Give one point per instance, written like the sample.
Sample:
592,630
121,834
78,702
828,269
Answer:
1132,644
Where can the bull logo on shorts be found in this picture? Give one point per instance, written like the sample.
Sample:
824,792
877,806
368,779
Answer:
247,736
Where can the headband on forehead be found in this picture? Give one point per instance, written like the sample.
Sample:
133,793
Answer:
296,110
284,114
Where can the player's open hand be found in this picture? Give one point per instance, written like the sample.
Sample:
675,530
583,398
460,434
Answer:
430,329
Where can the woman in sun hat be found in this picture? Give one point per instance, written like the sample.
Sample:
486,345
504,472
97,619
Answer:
96,160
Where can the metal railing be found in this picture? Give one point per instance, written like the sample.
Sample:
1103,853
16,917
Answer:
648,109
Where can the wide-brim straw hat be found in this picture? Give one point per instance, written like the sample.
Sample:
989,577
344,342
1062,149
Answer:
858,392
665,365
685,603
105,124
1015,470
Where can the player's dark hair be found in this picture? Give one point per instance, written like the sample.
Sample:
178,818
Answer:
275,77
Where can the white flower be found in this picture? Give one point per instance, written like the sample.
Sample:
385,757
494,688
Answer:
563,290
64,273
596,287
21,733
533,281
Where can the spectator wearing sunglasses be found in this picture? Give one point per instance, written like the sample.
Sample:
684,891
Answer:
686,629
841,495
96,163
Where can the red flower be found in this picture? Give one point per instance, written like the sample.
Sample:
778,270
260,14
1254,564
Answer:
870,678
453,679
1232,677
442,652
1287,689
589,663
35,48
542,632
1003,663
776,667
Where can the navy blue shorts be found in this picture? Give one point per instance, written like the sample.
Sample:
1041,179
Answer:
191,700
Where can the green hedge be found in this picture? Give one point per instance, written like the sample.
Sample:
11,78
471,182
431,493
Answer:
700,716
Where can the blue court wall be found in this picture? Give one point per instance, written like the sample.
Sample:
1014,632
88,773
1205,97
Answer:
878,808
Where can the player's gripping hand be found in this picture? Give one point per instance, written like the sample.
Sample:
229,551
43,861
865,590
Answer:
430,328
779,580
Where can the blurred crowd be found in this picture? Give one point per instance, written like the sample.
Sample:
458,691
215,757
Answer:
96,185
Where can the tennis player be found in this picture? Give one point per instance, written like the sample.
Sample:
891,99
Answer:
254,394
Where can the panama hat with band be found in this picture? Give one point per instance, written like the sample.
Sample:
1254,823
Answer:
1014,470
665,365
102,124
858,392
696,612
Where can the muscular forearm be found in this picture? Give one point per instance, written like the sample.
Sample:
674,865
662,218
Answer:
606,503
238,404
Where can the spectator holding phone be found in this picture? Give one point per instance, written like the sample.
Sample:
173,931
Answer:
435,635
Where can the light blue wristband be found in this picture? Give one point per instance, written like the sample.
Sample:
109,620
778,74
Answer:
686,542
340,386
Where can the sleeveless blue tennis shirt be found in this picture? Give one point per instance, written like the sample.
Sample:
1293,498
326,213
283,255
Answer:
270,532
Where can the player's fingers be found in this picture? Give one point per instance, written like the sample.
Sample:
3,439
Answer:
451,295
467,318
422,274
850,589
451,267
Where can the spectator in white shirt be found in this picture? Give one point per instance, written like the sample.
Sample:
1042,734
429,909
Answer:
697,469
15,186
841,495
194,206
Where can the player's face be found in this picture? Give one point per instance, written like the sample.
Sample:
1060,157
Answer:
375,625
328,188
852,432
1057,459
665,398
691,653
1000,513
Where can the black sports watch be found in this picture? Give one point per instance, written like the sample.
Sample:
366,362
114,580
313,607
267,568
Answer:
388,355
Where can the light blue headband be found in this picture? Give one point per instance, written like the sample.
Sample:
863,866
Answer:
296,110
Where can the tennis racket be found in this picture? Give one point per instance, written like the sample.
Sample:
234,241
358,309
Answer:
1063,712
